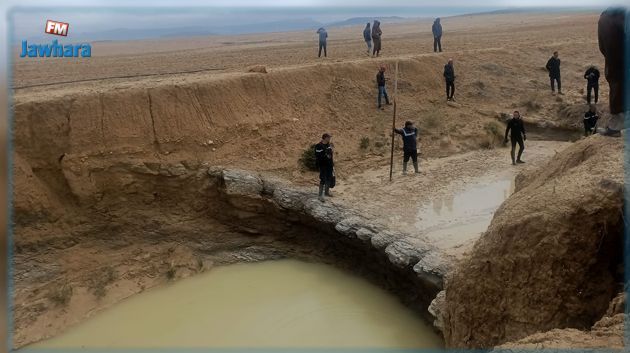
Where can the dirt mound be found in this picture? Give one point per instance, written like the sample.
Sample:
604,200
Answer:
552,255
257,68
607,333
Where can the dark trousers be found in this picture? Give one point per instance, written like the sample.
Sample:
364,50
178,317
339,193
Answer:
553,80
407,154
377,46
322,45
521,147
589,88
450,89
382,92
437,44
325,179
589,126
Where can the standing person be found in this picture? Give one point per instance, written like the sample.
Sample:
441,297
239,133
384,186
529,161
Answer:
380,83
612,37
409,135
376,37
553,66
590,120
437,35
324,160
449,77
323,35
367,36
517,129
592,83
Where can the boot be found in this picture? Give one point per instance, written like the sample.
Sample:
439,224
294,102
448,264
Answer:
321,192
327,191
513,158
404,167
415,166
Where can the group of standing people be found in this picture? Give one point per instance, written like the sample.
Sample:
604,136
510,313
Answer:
372,37
613,39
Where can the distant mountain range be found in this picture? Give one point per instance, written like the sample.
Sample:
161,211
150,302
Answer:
363,20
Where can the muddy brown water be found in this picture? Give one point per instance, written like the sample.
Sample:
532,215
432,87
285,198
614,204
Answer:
460,217
286,303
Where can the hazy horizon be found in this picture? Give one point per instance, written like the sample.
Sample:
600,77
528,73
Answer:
96,24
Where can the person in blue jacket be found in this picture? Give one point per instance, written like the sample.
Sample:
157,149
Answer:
323,35
409,135
437,35
367,36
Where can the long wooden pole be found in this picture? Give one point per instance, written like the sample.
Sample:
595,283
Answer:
391,159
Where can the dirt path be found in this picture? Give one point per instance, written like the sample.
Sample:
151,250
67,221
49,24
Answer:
451,202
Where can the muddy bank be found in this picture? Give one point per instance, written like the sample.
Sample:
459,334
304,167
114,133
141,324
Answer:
129,226
552,257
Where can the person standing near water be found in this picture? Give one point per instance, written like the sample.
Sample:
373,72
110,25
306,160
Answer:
449,77
409,135
437,35
324,160
323,35
553,66
376,37
517,129
367,36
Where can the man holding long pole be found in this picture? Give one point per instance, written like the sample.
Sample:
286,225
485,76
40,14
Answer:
409,135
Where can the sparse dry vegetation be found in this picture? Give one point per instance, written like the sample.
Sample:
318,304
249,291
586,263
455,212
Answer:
99,282
61,294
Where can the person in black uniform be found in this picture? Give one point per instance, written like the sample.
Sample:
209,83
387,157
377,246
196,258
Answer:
517,129
324,161
553,66
590,121
449,77
409,135
592,83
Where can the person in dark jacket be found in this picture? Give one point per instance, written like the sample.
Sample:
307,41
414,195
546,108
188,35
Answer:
367,36
324,160
409,135
516,129
437,35
376,37
590,120
380,83
612,36
553,66
449,77
323,35
592,83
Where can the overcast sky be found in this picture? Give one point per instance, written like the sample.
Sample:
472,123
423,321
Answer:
28,21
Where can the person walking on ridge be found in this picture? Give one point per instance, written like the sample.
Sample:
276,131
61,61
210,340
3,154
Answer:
323,36
449,77
380,84
437,35
367,36
376,37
